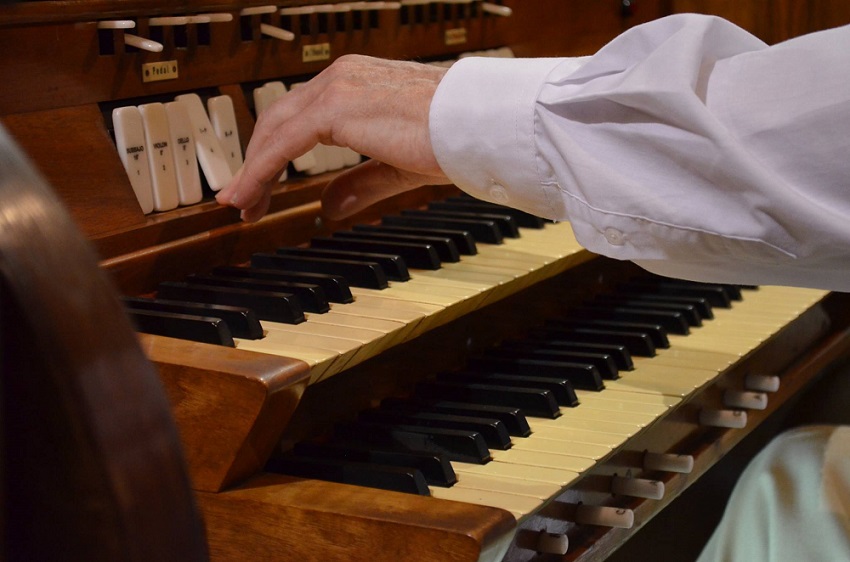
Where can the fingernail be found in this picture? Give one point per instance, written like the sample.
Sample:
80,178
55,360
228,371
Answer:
347,203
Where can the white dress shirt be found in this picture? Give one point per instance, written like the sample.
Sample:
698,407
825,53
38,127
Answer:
686,145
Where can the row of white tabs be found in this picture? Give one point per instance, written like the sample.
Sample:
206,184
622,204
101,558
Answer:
162,145
146,44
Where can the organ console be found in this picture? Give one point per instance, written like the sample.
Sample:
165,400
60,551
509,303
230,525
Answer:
535,402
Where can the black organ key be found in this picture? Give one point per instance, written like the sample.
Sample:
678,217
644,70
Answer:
444,246
689,312
483,231
392,265
604,363
701,304
182,326
561,389
492,430
636,342
456,444
462,239
619,353
523,219
421,256
513,418
716,295
435,468
533,402
505,223
242,322
275,307
359,274
581,375
655,332
672,321
335,287
310,297
394,478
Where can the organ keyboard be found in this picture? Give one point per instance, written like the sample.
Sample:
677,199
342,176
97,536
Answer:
589,418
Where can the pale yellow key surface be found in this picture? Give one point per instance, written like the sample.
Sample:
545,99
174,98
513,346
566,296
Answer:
536,458
562,447
398,292
590,413
518,506
558,476
321,361
504,485
574,422
601,401
577,435
497,272
483,281
640,398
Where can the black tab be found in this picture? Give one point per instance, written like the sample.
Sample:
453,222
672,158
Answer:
485,232
620,354
688,311
714,294
384,477
492,430
523,219
561,389
435,468
310,297
456,444
506,223
182,326
335,286
444,246
672,321
638,343
582,375
655,331
513,418
604,363
241,321
392,266
421,256
533,402
359,274
462,239
275,307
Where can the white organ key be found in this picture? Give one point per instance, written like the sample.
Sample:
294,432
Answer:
637,487
257,10
604,516
166,21
762,383
217,17
142,43
731,419
744,399
189,189
276,32
667,462
263,98
130,141
116,24
267,95
496,9
297,10
210,152
223,120
160,156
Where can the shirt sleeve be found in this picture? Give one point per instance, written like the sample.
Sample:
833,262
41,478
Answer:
686,145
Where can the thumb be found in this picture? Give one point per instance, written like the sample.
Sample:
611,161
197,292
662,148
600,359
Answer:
365,184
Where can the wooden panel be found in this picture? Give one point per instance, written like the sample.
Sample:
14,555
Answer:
256,394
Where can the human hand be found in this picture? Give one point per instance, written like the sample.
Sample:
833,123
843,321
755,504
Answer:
376,107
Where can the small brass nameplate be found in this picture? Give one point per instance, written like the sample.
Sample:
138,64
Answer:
456,36
317,52
155,71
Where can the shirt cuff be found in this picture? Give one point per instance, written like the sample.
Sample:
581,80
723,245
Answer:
482,121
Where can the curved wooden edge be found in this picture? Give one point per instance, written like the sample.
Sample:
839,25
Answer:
231,406
280,517
120,482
